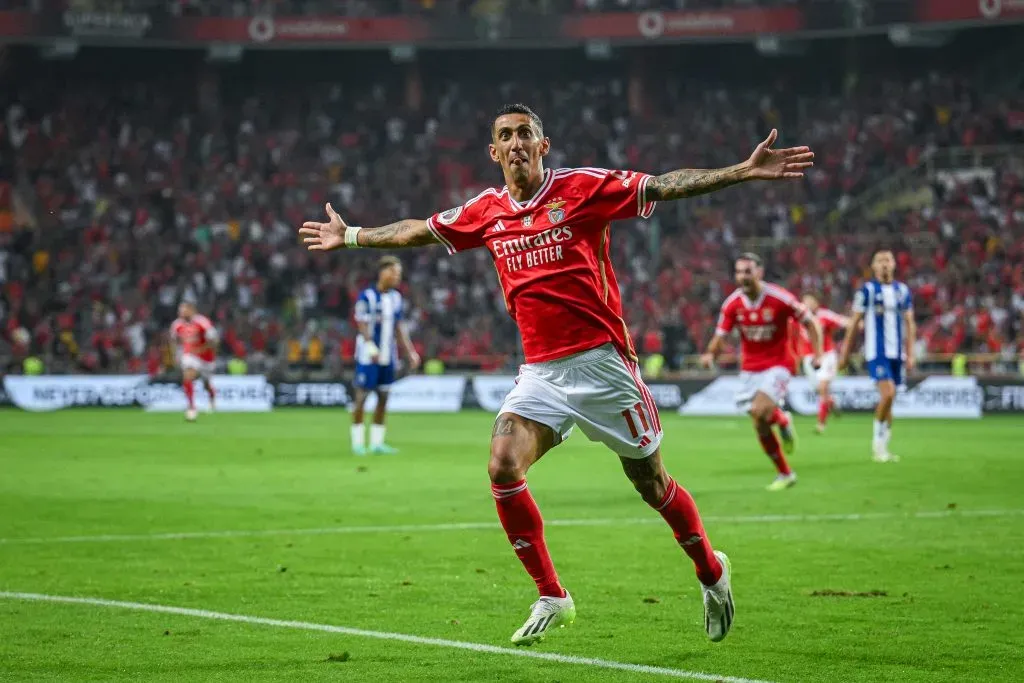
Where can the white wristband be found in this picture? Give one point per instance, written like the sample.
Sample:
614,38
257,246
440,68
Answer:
351,237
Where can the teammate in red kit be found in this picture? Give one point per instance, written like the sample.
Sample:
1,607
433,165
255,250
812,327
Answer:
762,311
549,235
195,338
830,322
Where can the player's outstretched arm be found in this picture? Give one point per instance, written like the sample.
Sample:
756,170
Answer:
764,163
851,329
335,234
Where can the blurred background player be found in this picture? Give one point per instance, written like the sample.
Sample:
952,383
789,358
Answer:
381,328
886,308
195,339
830,322
762,312
548,233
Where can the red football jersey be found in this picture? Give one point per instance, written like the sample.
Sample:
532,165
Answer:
763,324
552,255
830,322
195,336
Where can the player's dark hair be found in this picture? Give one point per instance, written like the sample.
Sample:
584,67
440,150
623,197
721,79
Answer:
519,108
879,250
388,261
750,256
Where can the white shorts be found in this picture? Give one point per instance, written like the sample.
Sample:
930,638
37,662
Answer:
204,368
774,382
827,371
600,390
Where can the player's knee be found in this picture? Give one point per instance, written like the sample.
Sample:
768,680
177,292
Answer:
762,412
505,465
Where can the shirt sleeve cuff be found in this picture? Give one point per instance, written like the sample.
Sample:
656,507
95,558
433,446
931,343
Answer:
439,237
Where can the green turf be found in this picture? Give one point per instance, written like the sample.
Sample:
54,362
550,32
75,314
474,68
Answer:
953,607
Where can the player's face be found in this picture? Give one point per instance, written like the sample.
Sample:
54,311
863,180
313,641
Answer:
391,276
518,146
884,266
186,311
811,303
747,275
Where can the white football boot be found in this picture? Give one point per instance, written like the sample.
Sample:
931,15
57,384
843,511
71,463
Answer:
718,604
546,614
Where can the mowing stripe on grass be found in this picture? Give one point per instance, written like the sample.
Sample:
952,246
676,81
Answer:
384,635
472,526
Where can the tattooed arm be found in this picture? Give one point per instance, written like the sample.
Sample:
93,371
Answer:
336,234
764,163
690,182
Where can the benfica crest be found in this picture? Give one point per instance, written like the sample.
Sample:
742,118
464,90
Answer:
555,211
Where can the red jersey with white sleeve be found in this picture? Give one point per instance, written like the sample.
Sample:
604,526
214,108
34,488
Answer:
831,322
552,255
196,337
763,325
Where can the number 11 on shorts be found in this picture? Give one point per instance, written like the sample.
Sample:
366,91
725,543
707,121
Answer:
628,414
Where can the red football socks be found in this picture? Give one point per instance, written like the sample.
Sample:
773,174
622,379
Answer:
771,446
520,517
189,393
780,418
824,407
679,510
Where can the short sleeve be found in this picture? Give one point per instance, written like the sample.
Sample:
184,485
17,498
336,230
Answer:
860,300
725,320
620,194
908,299
362,313
462,228
399,307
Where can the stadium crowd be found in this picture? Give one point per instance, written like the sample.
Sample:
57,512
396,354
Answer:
120,197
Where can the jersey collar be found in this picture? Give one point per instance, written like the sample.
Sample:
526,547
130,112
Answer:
757,302
549,178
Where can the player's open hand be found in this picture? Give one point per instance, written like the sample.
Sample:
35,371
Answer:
324,236
816,362
707,360
778,164
910,363
414,360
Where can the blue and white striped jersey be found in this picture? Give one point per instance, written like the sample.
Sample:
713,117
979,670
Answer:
382,311
884,307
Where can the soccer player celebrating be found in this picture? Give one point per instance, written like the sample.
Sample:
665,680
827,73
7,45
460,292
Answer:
886,308
763,311
549,232
830,322
379,318
195,338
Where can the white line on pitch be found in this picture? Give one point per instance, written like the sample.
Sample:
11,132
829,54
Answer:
384,635
471,526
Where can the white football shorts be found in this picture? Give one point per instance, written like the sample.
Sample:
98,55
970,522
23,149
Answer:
205,369
600,390
828,370
774,382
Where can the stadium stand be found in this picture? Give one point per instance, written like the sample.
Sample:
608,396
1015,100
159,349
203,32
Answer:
127,187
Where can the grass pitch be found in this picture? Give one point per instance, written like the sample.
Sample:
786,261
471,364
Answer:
862,572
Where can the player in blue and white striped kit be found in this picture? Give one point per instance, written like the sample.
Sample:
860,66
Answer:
886,308
378,315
